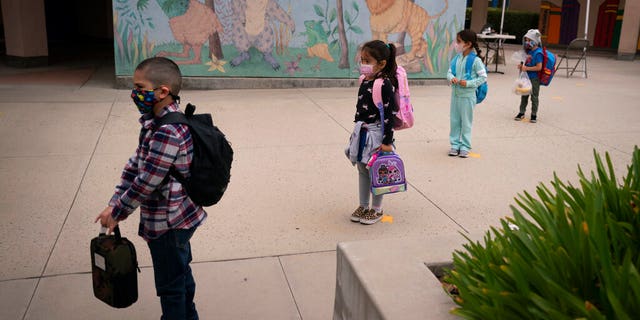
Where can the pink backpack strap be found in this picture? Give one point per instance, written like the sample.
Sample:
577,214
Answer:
377,92
377,98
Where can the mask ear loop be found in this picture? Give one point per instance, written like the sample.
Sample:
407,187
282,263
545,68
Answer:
175,97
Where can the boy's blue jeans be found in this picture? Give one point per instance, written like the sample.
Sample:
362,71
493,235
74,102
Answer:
171,254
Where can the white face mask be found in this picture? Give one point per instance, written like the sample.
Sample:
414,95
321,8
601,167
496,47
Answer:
459,48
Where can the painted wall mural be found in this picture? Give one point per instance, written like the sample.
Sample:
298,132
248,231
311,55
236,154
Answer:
284,38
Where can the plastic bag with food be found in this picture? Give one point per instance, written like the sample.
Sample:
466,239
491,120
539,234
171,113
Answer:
522,86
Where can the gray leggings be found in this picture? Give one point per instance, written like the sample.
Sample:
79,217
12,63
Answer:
364,186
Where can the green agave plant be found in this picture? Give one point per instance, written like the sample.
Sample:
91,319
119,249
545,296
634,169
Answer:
572,252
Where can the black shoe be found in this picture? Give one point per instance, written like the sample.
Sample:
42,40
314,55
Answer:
534,119
519,117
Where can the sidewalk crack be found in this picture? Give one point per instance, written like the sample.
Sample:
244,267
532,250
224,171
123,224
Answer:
73,202
324,111
289,286
438,207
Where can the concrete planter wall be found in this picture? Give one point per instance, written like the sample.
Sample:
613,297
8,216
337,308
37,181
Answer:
389,278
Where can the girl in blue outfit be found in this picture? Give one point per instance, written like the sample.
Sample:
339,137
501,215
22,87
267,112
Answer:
463,92
378,60
532,66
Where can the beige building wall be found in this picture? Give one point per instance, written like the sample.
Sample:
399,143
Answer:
478,15
25,28
630,30
525,5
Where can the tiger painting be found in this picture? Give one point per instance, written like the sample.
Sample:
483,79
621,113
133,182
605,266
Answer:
394,16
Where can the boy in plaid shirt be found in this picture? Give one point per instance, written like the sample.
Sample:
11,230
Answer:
168,217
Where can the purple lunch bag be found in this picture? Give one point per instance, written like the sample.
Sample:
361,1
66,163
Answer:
387,173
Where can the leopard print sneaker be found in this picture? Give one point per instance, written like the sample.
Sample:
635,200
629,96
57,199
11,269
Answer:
358,213
371,217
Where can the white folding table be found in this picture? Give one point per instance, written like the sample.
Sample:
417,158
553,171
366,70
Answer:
494,44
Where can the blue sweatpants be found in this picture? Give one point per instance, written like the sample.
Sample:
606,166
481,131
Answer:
461,121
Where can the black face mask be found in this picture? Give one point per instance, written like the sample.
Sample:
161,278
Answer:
144,100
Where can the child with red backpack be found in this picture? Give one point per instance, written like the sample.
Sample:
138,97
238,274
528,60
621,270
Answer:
533,66
373,131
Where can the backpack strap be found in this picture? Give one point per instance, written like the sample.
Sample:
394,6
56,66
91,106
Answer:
377,98
469,65
454,62
176,117
471,58
173,118
544,61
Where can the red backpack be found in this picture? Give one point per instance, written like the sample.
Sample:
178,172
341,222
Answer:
548,67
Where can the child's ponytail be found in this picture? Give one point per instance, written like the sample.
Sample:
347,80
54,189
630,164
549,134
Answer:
478,51
390,69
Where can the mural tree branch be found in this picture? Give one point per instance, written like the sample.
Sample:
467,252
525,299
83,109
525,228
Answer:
344,45
215,46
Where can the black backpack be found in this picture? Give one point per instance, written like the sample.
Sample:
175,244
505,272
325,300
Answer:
212,156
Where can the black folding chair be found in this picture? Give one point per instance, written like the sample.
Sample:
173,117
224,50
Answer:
576,50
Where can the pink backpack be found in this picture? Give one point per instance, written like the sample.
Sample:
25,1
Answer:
404,114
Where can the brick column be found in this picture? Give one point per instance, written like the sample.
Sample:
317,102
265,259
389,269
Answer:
630,30
25,32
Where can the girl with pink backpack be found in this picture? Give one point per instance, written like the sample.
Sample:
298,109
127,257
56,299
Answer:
374,126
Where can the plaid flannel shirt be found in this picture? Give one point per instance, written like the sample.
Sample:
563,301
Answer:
146,183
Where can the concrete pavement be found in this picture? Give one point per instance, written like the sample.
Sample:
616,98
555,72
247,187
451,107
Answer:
267,250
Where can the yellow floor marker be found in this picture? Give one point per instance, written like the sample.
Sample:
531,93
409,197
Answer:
557,98
387,218
579,84
474,155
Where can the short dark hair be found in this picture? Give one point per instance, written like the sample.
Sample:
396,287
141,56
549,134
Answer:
162,71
